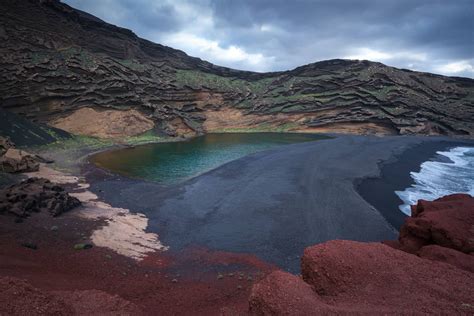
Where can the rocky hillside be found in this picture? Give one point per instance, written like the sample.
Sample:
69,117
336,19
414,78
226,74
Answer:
55,60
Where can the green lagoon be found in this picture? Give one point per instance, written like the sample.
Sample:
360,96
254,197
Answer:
174,162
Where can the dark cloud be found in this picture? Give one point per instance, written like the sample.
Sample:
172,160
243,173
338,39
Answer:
262,35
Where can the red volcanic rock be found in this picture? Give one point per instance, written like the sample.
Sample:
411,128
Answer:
430,269
448,255
348,276
18,297
96,302
447,222
284,293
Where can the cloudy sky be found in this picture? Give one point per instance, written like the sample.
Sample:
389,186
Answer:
269,35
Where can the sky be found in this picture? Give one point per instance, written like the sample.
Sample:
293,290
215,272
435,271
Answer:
271,35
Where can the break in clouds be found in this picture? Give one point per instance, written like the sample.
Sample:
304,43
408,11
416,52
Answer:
271,35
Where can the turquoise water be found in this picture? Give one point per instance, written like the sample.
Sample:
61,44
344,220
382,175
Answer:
177,161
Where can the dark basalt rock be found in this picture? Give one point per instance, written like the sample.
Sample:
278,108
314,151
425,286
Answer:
23,132
5,144
55,59
15,160
35,195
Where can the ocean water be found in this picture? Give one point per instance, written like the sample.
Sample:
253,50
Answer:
452,172
170,163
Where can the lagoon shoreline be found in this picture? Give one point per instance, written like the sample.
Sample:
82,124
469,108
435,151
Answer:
229,207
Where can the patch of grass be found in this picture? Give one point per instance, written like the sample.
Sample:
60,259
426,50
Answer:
68,153
90,144
277,99
294,108
198,79
364,75
52,133
132,64
61,57
147,137
275,109
287,127
260,86
82,56
381,93
76,142
396,110
264,127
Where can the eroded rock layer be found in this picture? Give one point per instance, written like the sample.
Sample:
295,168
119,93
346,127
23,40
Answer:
55,60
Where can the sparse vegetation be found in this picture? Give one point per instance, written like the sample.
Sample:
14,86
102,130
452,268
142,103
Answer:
132,64
264,127
198,79
75,142
147,137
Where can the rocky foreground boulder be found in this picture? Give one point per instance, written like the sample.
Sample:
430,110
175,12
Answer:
35,195
447,222
14,160
340,277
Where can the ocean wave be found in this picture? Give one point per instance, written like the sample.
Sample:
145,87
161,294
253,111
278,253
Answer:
439,177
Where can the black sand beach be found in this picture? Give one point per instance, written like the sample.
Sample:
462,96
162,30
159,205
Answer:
395,176
276,203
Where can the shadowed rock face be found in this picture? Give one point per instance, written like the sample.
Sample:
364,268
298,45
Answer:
36,195
15,160
55,59
5,144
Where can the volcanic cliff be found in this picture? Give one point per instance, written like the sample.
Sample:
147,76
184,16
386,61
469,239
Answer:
60,65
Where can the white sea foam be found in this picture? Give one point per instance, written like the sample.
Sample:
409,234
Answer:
439,178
